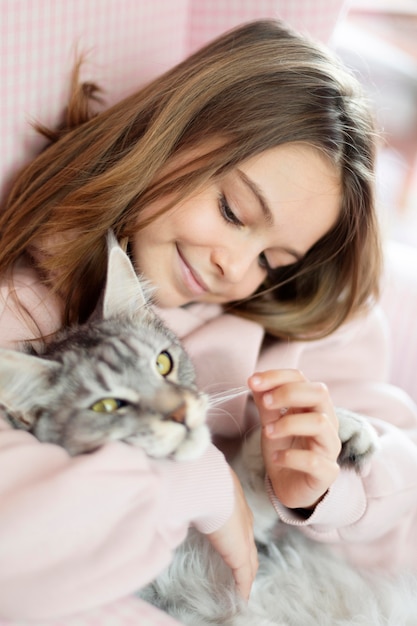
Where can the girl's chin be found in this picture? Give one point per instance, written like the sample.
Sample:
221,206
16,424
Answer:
170,300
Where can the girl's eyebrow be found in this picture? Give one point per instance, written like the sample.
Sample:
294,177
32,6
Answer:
266,211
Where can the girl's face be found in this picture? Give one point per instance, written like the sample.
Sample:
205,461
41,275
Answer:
218,245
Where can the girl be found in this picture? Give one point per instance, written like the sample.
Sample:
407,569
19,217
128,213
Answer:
242,181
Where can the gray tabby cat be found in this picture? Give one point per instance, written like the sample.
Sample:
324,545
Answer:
125,376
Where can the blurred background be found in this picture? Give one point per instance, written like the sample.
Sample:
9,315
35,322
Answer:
130,41
378,40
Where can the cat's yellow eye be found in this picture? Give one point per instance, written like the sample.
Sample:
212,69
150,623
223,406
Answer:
106,405
164,363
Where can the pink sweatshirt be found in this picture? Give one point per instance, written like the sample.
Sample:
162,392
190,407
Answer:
78,533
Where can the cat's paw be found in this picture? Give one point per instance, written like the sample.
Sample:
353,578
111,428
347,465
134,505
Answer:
358,437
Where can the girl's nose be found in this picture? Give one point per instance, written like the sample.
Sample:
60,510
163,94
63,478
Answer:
233,265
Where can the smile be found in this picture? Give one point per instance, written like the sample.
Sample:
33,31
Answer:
191,279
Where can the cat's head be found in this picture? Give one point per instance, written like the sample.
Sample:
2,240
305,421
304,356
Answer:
122,376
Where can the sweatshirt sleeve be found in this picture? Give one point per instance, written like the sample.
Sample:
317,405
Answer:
79,532
76,533
363,507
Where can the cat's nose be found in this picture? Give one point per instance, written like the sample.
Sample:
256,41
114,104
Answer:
178,414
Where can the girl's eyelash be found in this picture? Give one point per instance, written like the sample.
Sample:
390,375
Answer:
263,262
227,213
229,217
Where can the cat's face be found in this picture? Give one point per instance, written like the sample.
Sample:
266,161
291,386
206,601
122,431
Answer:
122,378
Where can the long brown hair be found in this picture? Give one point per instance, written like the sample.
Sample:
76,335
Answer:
255,87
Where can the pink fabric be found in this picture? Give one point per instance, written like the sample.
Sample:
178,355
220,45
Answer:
126,43
128,611
399,300
127,512
209,18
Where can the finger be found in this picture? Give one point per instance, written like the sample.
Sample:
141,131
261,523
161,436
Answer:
309,396
316,426
321,471
262,381
297,394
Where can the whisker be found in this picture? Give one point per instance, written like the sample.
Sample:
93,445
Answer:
220,385
218,412
230,394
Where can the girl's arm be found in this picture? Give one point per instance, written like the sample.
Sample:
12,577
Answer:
354,365
80,532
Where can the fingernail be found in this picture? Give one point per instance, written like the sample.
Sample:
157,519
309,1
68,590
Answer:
269,429
268,399
255,380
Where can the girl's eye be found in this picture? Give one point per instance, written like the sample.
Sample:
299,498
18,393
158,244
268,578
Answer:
263,262
108,405
227,213
164,363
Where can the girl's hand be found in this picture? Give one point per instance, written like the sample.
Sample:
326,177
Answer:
235,543
300,441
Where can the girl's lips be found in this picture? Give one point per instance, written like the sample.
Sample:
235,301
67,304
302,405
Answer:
191,279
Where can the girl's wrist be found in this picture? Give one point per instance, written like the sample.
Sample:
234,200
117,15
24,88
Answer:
306,511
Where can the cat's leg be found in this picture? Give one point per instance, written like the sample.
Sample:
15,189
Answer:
358,437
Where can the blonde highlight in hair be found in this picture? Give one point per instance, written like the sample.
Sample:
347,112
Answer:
256,87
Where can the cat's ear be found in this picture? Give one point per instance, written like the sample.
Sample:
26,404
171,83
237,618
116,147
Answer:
124,292
24,384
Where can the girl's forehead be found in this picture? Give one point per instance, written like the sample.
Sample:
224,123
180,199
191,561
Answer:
304,168
288,172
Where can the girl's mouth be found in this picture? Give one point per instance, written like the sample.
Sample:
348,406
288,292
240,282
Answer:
191,278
